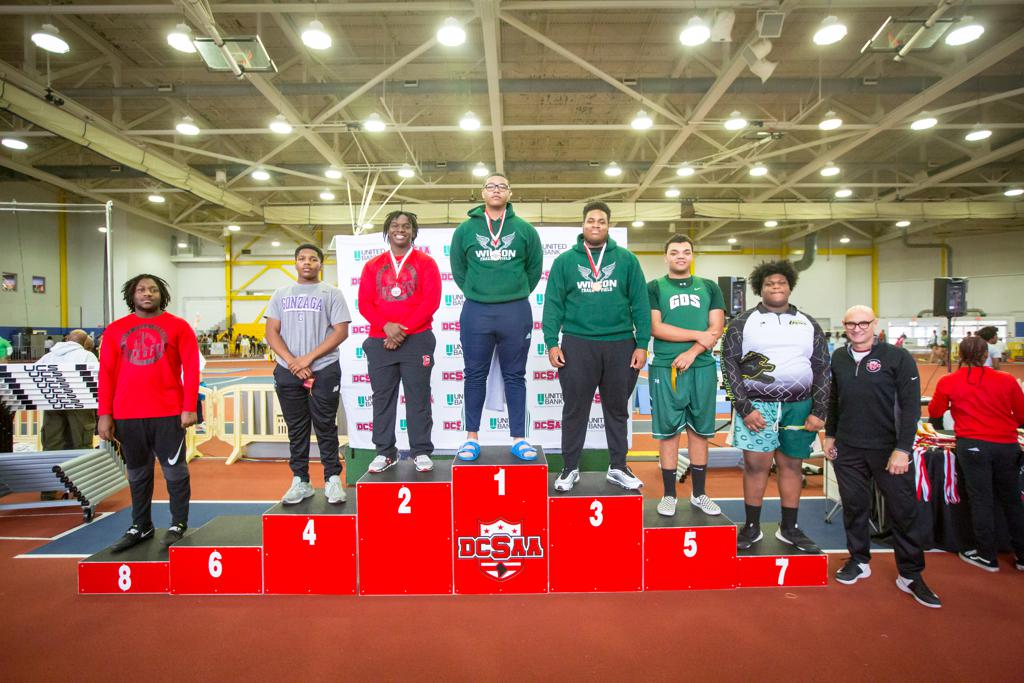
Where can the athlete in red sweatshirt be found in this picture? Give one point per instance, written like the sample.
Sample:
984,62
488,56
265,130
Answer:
148,390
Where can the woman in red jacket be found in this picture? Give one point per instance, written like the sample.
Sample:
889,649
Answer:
987,407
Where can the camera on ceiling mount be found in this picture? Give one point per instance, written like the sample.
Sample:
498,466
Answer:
53,99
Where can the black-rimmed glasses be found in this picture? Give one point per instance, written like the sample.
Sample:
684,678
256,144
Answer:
857,325
496,186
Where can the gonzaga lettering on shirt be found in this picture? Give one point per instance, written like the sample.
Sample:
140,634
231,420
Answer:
308,314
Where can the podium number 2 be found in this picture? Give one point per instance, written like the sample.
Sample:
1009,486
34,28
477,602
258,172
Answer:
124,577
404,495
309,533
500,478
597,518
214,565
690,543
782,563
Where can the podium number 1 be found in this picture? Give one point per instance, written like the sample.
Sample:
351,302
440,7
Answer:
782,563
214,565
309,533
404,495
690,543
500,478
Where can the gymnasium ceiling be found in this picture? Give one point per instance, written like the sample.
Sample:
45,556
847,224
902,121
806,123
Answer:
555,85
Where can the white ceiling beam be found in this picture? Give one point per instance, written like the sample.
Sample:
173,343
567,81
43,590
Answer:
958,170
488,13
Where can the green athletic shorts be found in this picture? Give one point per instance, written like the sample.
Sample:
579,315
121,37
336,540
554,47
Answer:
692,404
796,443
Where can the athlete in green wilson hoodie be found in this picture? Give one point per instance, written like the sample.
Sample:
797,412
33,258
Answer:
496,260
596,296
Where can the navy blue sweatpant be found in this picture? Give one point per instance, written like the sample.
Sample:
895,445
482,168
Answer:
509,327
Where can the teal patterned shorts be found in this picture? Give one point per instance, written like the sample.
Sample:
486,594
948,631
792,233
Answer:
784,431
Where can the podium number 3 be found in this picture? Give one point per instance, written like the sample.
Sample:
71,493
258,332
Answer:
214,565
124,577
690,543
597,518
309,533
404,495
782,563
500,478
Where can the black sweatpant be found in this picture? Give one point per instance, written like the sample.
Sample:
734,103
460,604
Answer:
991,472
855,468
411,364
302,407
589,366
146,439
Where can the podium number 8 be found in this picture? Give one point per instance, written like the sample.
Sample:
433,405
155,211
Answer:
597,518
215,566
404,495
124,577
782,563
690,543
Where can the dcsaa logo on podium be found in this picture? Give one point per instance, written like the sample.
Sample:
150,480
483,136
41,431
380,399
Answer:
501,549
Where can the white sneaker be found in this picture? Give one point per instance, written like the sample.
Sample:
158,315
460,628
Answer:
705,505
624,478
334,490
381,463
423,463
567,479
298,492
667,506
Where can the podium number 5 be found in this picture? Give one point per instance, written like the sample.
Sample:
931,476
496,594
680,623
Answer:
309,533
500,478
404,495
690,543
782,563
214,565
597,518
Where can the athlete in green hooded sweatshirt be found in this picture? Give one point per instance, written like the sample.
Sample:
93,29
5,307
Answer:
496,260
597,298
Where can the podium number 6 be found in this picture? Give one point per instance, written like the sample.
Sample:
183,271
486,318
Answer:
597,518
309,533
404,495
690,543
124,577
782,563
500,478
215,566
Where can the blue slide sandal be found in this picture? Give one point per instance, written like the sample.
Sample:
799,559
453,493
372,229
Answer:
468,451
523,450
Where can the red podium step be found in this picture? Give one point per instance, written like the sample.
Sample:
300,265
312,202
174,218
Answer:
142,569
596,537
770,563
405,530
223,557
500,518
310,548
691,550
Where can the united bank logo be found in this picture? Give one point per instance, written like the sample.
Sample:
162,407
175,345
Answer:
402,425
554,249
447,250
366,254
453,350
364,401
454,400
554,399
541,350
498,423
360,353
539,298
596,424
454,300
500,549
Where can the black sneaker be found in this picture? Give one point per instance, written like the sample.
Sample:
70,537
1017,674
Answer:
175,533
919,590
1019,564
134,536
852,572
798,539
748,536
972,557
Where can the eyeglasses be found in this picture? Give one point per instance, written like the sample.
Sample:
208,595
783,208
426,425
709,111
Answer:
859,325
496,186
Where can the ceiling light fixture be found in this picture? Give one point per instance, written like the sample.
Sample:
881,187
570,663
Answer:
406,171
758,170
613,170
181,39
48,38
831,121
1014,192
333,173
731,240
469,121
260,174
374,123
235,228
696,32
157,198
280,125
685,171
843,193
451,33
327,196
924,122
771,224
642,121
672,192
829,170
14,143
903,224
735,122
978,133
275,243
967,31
102,228
187,126
315,37
831,31
844,240
480,171
182,245
367,225
637,224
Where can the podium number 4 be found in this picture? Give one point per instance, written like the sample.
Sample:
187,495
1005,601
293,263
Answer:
782,563
404,495
214,565
690,543
309,533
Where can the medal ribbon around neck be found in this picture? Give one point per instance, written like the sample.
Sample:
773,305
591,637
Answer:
596,267
495,238
398,268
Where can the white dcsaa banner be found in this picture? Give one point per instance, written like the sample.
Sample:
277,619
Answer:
543,393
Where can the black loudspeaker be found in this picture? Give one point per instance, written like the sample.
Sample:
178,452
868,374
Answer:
734,291
950,297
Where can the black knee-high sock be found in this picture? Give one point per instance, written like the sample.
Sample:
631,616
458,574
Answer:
698,475
753,515
789,517
668,478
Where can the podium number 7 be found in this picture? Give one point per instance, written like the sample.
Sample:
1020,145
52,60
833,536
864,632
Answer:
782,563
